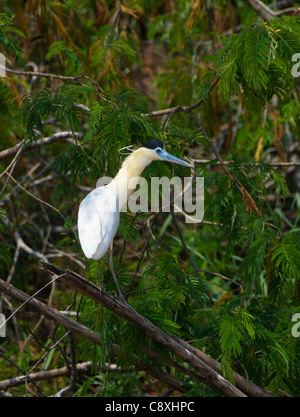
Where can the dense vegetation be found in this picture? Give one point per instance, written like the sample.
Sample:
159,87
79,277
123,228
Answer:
215,81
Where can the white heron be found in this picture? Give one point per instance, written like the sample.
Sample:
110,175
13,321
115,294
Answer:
99,212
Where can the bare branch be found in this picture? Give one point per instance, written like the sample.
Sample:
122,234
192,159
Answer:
289,10
73,369
85,332
44,375
183,241
178,108
266,13
196,359
171,111
34,197
39,143
257,164
213,379
53,76
262,9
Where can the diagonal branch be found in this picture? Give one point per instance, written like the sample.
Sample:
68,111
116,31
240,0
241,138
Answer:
39,143
85,332
54,76
250,203
208,367
266,13
196,359
172,110
156,113
262,9
44,375
212,378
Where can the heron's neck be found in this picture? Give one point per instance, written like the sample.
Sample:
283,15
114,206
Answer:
127,178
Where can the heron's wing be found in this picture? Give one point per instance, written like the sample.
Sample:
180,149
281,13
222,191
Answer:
98,221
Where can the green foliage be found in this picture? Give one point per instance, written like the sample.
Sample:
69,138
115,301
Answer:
255,260
229,285
60,104
286,256
233,331
260,60
113,123
7,41
5,256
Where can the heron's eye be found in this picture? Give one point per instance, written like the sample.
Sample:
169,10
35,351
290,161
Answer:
158,150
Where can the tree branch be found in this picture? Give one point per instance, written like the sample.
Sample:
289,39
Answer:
256,164
178,108
266,13
250,203
262,9
212,378
157,113
39,143
195,358
54,76
189,353
44,375
85,332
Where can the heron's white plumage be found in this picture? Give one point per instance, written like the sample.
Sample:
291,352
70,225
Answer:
98,221
99,212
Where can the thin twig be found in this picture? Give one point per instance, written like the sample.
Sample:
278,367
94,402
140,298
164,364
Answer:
183,242
87,333
30,298
217,274
73,369
44,355
250,203
257,164
44,375
20,369
38,144
41,318
14,161
53,76
34,197
212,379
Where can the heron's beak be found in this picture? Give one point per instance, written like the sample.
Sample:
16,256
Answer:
168,157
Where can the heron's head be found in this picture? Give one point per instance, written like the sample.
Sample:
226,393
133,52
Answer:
154,150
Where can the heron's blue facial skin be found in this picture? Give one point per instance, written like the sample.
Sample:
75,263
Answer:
168,157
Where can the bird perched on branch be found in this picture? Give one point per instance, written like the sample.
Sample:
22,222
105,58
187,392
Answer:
99,212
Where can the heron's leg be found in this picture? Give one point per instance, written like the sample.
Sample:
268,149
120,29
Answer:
87,264
111,267
100,276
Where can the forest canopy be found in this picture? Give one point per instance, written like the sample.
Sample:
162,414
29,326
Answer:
217,82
